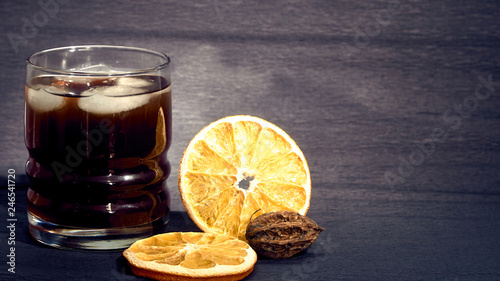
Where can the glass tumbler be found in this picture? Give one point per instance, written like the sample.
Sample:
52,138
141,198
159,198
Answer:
98,124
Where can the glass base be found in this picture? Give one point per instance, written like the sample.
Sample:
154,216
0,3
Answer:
68,237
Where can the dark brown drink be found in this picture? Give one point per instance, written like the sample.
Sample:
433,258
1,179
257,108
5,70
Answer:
97,150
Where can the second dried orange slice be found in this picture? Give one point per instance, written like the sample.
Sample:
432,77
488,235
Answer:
191,256
240,167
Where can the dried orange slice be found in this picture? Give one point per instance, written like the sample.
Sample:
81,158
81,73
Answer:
240,167
191,256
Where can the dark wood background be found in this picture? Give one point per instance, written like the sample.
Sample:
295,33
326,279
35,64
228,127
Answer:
380,96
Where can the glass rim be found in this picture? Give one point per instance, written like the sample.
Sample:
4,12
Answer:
99,74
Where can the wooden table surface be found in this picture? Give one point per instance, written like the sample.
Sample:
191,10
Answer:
395,104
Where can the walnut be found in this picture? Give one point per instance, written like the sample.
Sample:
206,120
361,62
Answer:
281,234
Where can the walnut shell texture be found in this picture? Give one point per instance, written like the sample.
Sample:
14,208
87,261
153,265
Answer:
282,234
